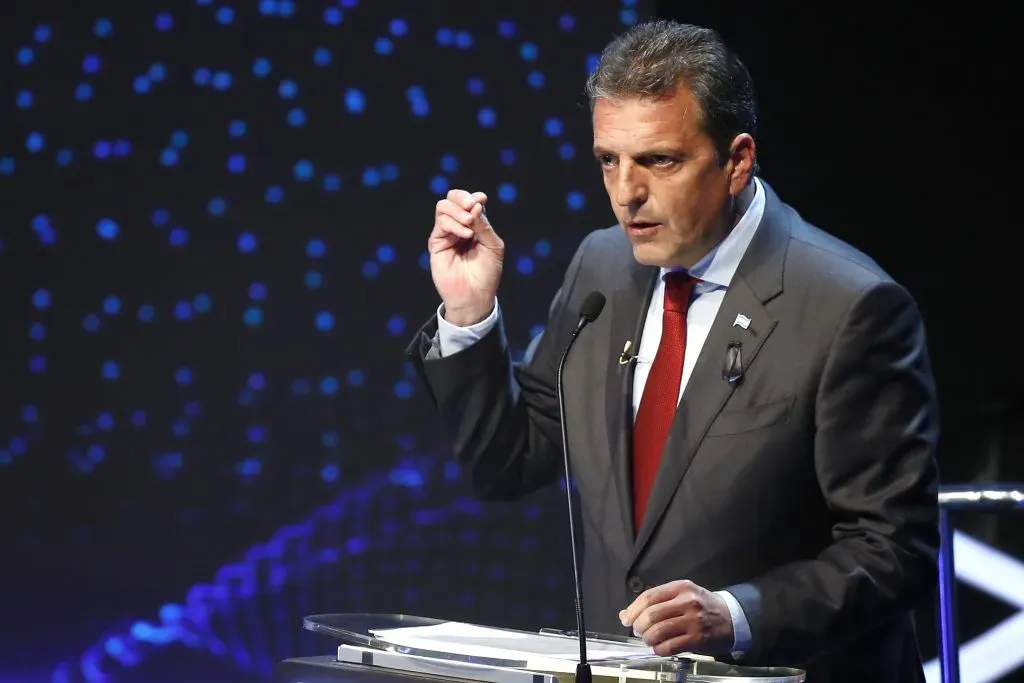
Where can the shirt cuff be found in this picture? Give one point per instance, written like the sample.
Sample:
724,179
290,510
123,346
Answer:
453,338
742,638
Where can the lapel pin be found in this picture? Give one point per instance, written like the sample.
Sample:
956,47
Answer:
741,321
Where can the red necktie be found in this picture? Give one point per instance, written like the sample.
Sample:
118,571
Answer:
661,392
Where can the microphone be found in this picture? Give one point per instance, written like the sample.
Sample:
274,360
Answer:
627,357
591,308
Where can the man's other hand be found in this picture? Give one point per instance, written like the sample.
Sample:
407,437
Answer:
680,617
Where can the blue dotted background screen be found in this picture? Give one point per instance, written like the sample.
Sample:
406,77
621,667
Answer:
212,234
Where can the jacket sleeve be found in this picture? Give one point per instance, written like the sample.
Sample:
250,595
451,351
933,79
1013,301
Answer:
502,417
876,433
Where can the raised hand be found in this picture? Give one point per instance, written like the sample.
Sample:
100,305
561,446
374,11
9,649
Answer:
466,257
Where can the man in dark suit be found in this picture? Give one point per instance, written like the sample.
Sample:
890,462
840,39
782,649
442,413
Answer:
752,418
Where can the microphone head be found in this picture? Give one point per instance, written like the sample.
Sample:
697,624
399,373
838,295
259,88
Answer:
592,306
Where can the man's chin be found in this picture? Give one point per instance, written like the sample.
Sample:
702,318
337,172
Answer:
652,254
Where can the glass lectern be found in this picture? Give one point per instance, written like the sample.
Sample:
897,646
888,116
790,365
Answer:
388,648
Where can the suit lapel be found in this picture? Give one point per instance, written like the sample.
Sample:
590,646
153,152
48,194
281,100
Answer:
629,305
705,394
757,280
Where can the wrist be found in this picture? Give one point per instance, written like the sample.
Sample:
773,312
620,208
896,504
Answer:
466,316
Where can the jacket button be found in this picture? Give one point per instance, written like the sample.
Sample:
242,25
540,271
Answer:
636,585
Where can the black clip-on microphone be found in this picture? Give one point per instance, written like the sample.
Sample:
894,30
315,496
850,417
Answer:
589,311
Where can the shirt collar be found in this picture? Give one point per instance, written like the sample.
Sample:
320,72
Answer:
719,265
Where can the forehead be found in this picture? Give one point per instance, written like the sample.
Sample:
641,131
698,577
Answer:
631,125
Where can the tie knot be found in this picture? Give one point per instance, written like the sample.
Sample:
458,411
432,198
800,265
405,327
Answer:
678,288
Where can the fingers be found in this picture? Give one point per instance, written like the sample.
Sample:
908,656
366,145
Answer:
651,596
668,631
468,210
454,209
446,232
655,614
466,200
680,617
460,198
684,642
684,604
482,227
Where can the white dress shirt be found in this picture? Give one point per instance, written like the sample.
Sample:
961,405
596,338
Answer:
715,272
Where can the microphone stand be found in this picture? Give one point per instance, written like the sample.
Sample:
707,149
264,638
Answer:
583,673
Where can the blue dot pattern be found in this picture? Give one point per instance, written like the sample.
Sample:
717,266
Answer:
215,257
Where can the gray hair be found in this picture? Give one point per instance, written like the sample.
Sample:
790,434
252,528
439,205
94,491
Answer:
652,59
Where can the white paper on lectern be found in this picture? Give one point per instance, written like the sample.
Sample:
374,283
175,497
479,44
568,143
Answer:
480,641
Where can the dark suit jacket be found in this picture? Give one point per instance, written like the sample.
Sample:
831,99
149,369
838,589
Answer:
807,489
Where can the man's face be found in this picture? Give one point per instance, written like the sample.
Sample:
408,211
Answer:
666,185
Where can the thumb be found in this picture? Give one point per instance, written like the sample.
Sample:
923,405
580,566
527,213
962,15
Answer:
480,197
482,229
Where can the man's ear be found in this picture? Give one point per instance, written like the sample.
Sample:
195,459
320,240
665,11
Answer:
740,164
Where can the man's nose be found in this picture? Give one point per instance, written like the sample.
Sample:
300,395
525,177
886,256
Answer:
630,190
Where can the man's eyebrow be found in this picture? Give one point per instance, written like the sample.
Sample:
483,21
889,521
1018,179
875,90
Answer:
652,152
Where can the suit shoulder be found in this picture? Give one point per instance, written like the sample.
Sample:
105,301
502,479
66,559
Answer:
824,260
605,248
609,241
